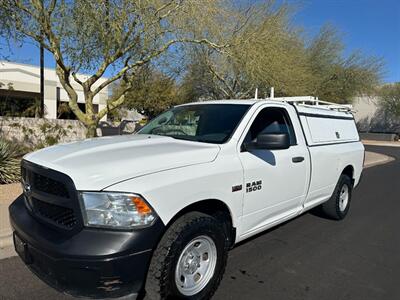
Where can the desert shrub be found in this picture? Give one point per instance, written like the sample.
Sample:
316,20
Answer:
9,162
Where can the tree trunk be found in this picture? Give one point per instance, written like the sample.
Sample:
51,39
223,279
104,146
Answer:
91,130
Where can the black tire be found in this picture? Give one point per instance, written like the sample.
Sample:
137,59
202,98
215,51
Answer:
160,282
331,208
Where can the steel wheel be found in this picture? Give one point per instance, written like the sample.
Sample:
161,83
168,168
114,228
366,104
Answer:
196,265
344,197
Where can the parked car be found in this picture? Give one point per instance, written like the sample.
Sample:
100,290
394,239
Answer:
157,211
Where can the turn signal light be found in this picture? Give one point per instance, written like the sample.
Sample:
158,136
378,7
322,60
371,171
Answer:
141,206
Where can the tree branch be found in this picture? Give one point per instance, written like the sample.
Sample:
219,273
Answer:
76,78
116,101
63,72
153,55
52,6
230,93
122,51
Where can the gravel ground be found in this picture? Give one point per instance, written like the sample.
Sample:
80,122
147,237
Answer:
9,192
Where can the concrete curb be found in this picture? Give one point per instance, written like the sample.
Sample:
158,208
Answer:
381,143
6,243
7,252
8,193
5,230
5,238
373,159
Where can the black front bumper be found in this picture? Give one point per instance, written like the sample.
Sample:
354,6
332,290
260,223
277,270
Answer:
91,263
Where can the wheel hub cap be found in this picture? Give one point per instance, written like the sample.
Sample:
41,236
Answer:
192,263
196,265
344,197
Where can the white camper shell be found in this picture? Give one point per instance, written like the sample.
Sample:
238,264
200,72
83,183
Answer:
324,122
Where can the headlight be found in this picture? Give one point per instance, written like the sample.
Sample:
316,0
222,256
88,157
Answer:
115,210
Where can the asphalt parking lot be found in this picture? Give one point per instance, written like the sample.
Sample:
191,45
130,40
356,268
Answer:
309,257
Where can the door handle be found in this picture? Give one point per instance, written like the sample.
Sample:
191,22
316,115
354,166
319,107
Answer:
297,159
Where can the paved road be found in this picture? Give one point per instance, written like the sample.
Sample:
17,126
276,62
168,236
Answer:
307,258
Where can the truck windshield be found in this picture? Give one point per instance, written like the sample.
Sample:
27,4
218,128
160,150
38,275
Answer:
208,123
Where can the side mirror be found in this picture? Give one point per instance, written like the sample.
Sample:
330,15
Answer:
271,141
162,121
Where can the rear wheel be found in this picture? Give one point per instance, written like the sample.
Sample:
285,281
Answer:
338,205
190,259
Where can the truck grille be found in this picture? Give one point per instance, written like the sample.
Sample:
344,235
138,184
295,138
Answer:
60,215
51,197
49,186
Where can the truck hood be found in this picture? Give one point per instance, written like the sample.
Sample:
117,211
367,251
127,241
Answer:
95,164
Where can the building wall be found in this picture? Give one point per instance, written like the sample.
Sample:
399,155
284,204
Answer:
371,117
27,78
33,131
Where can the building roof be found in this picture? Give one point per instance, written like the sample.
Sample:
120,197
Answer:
34,70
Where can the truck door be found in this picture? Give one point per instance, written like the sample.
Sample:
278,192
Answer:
275,181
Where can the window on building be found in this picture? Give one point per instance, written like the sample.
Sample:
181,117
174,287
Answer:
64,112
19,104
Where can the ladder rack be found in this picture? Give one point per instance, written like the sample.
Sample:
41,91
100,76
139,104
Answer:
314,102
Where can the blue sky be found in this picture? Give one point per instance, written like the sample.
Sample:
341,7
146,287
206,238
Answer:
372,26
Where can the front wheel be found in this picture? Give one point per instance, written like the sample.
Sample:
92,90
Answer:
338,205
190,259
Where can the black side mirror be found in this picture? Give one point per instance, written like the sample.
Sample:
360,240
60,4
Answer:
270,141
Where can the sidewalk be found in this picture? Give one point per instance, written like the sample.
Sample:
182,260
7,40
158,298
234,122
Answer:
9,192
381,143
373,159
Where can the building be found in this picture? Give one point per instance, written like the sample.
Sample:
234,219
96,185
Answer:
370,116
365,108
20,89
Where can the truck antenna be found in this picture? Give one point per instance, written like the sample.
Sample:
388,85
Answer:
256,94
271,95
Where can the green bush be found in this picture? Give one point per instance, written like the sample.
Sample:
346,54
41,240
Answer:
9,162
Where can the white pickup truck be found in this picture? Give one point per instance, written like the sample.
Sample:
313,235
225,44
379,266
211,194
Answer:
157,211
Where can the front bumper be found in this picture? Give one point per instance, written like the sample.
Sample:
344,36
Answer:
92,263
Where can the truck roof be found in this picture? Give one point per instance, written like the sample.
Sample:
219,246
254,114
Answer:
229,101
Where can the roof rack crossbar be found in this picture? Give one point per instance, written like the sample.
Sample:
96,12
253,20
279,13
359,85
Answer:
313,102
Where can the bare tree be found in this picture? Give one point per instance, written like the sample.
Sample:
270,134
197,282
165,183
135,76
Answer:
152,93
268,52
118,36
338,78
265,51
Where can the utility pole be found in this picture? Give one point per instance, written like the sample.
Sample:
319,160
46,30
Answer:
42,80
42,73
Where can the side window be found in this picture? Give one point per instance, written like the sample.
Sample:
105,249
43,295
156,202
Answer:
271,120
